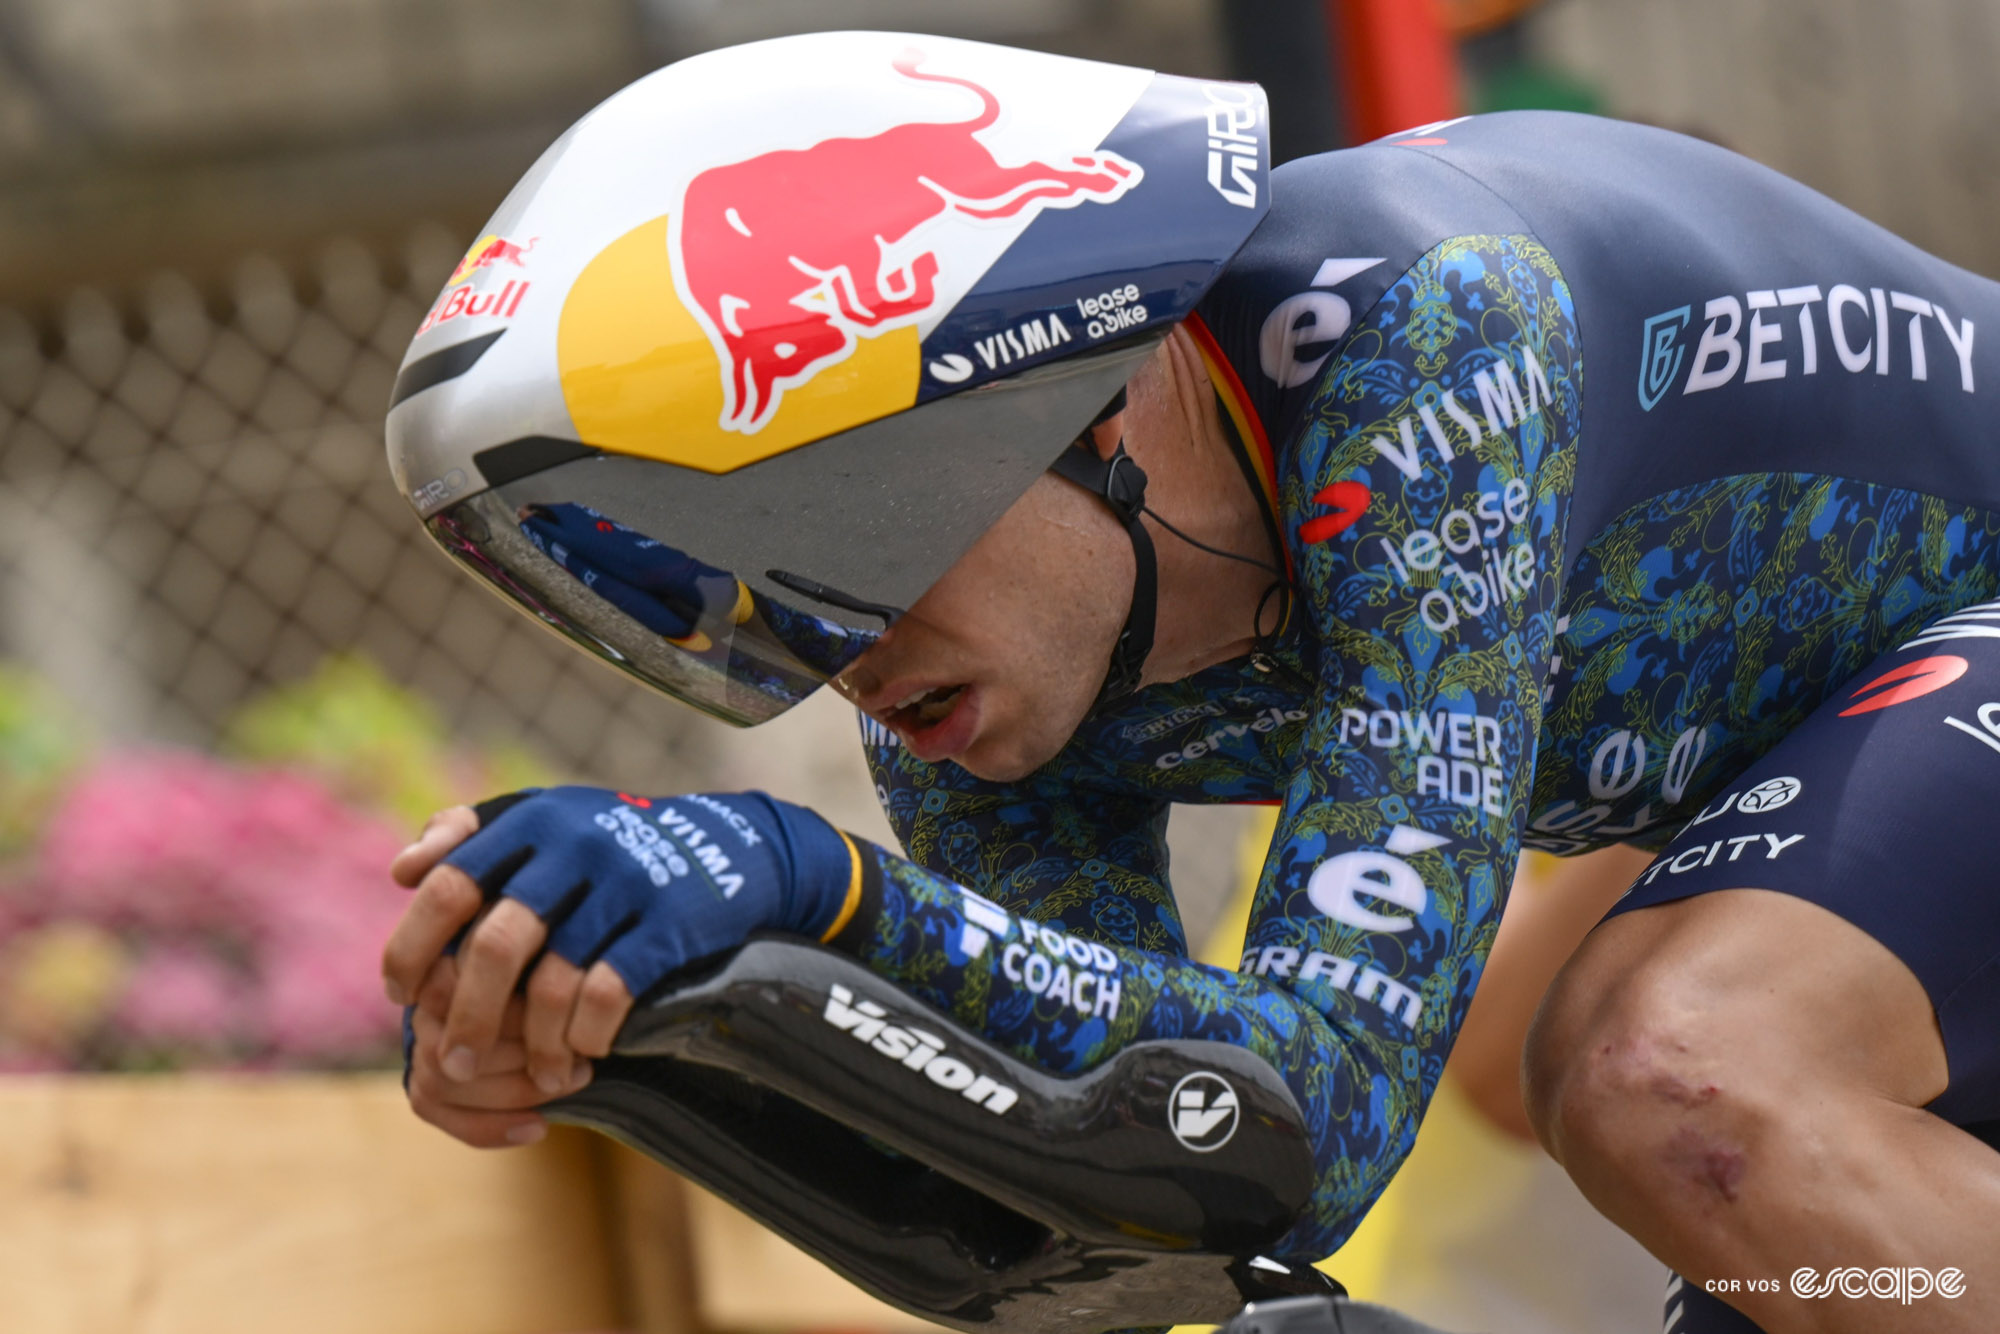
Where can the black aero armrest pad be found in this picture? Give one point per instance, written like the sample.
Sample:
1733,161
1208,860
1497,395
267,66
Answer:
943,1173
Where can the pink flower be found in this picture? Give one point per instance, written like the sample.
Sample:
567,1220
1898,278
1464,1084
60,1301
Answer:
181,996
326,1003
321,966
147,840
265,865
168,840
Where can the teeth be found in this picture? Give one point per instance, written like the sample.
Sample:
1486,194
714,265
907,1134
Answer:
930,705
936,707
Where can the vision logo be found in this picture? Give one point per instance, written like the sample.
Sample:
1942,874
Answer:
1202,1112
914,1049
1660,354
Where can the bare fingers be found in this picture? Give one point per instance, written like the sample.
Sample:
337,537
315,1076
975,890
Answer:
434,1000
493,1109
442,832
602,1003
446,899
553,990
491,960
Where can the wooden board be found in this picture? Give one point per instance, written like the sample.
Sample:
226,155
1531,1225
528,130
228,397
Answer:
301,1204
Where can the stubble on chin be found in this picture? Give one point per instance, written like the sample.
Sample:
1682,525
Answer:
1007,751
1004,770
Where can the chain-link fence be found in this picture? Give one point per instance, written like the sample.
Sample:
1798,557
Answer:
194,505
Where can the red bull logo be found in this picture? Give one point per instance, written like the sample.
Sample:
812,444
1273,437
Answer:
488,251
790,258
459,301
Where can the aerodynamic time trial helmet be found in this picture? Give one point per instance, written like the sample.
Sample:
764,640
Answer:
761,345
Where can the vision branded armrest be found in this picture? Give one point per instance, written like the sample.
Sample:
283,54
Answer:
948,1177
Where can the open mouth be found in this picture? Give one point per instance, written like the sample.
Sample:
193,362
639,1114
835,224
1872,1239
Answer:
924,708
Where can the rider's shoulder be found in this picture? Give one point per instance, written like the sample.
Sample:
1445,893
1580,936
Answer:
1346,224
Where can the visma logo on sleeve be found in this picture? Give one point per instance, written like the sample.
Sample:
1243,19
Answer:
1759,337
914,1049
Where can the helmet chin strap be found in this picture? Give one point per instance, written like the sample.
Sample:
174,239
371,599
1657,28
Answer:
1121,484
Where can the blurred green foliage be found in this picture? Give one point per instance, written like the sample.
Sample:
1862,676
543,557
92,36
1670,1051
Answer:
375,743
1534,87
43,738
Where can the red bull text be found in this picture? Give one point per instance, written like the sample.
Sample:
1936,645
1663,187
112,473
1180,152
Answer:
463,302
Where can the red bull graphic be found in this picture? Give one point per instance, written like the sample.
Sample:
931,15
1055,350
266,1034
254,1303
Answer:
790,257
488,251
459,301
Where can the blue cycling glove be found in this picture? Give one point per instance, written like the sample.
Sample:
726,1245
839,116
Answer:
650,885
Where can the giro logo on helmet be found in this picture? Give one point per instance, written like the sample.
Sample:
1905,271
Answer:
792,256
1202,1112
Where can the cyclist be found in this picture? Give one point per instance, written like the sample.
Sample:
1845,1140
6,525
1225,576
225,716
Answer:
1524,479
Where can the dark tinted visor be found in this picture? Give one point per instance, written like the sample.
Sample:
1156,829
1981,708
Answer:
740,593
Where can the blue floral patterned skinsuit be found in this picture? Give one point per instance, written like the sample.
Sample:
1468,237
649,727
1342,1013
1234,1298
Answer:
1602,459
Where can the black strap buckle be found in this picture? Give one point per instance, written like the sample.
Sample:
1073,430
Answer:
1118,481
